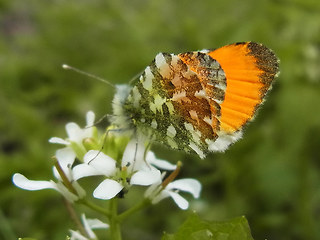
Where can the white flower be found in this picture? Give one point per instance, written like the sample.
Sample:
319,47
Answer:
65,158
75,133
156,192
89,225
134,168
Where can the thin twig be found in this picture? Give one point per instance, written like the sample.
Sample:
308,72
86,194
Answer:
74,217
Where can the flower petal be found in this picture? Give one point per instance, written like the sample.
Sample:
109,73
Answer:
190,185
84,170
87,227
146,178
74,132
90,119
97,224
75,235
107,189
22,182
58,141
180,201
159,163
65,157
133,156
101,162
129,155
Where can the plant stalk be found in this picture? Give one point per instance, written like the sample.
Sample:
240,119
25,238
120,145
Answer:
123,216
115,230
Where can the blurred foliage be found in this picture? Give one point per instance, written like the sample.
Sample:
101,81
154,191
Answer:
272,176
196,229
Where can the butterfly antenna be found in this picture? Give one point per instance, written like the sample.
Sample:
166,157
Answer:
67,67
136,76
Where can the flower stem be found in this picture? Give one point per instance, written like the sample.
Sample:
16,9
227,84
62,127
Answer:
115,230
95,207
126,214
63,176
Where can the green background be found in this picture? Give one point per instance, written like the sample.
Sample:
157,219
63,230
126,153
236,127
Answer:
272,175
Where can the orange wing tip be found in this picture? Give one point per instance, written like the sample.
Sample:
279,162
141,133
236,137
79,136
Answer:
250,70
266,61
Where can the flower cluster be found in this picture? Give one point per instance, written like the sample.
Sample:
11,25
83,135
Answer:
121,161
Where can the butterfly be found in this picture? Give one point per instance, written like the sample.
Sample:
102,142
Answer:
197,101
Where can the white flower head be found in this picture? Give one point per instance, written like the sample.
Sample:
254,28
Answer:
157,192
135,170
89,225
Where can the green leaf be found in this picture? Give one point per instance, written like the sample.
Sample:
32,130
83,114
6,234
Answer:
196,229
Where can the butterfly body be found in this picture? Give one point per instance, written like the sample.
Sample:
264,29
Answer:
197,101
